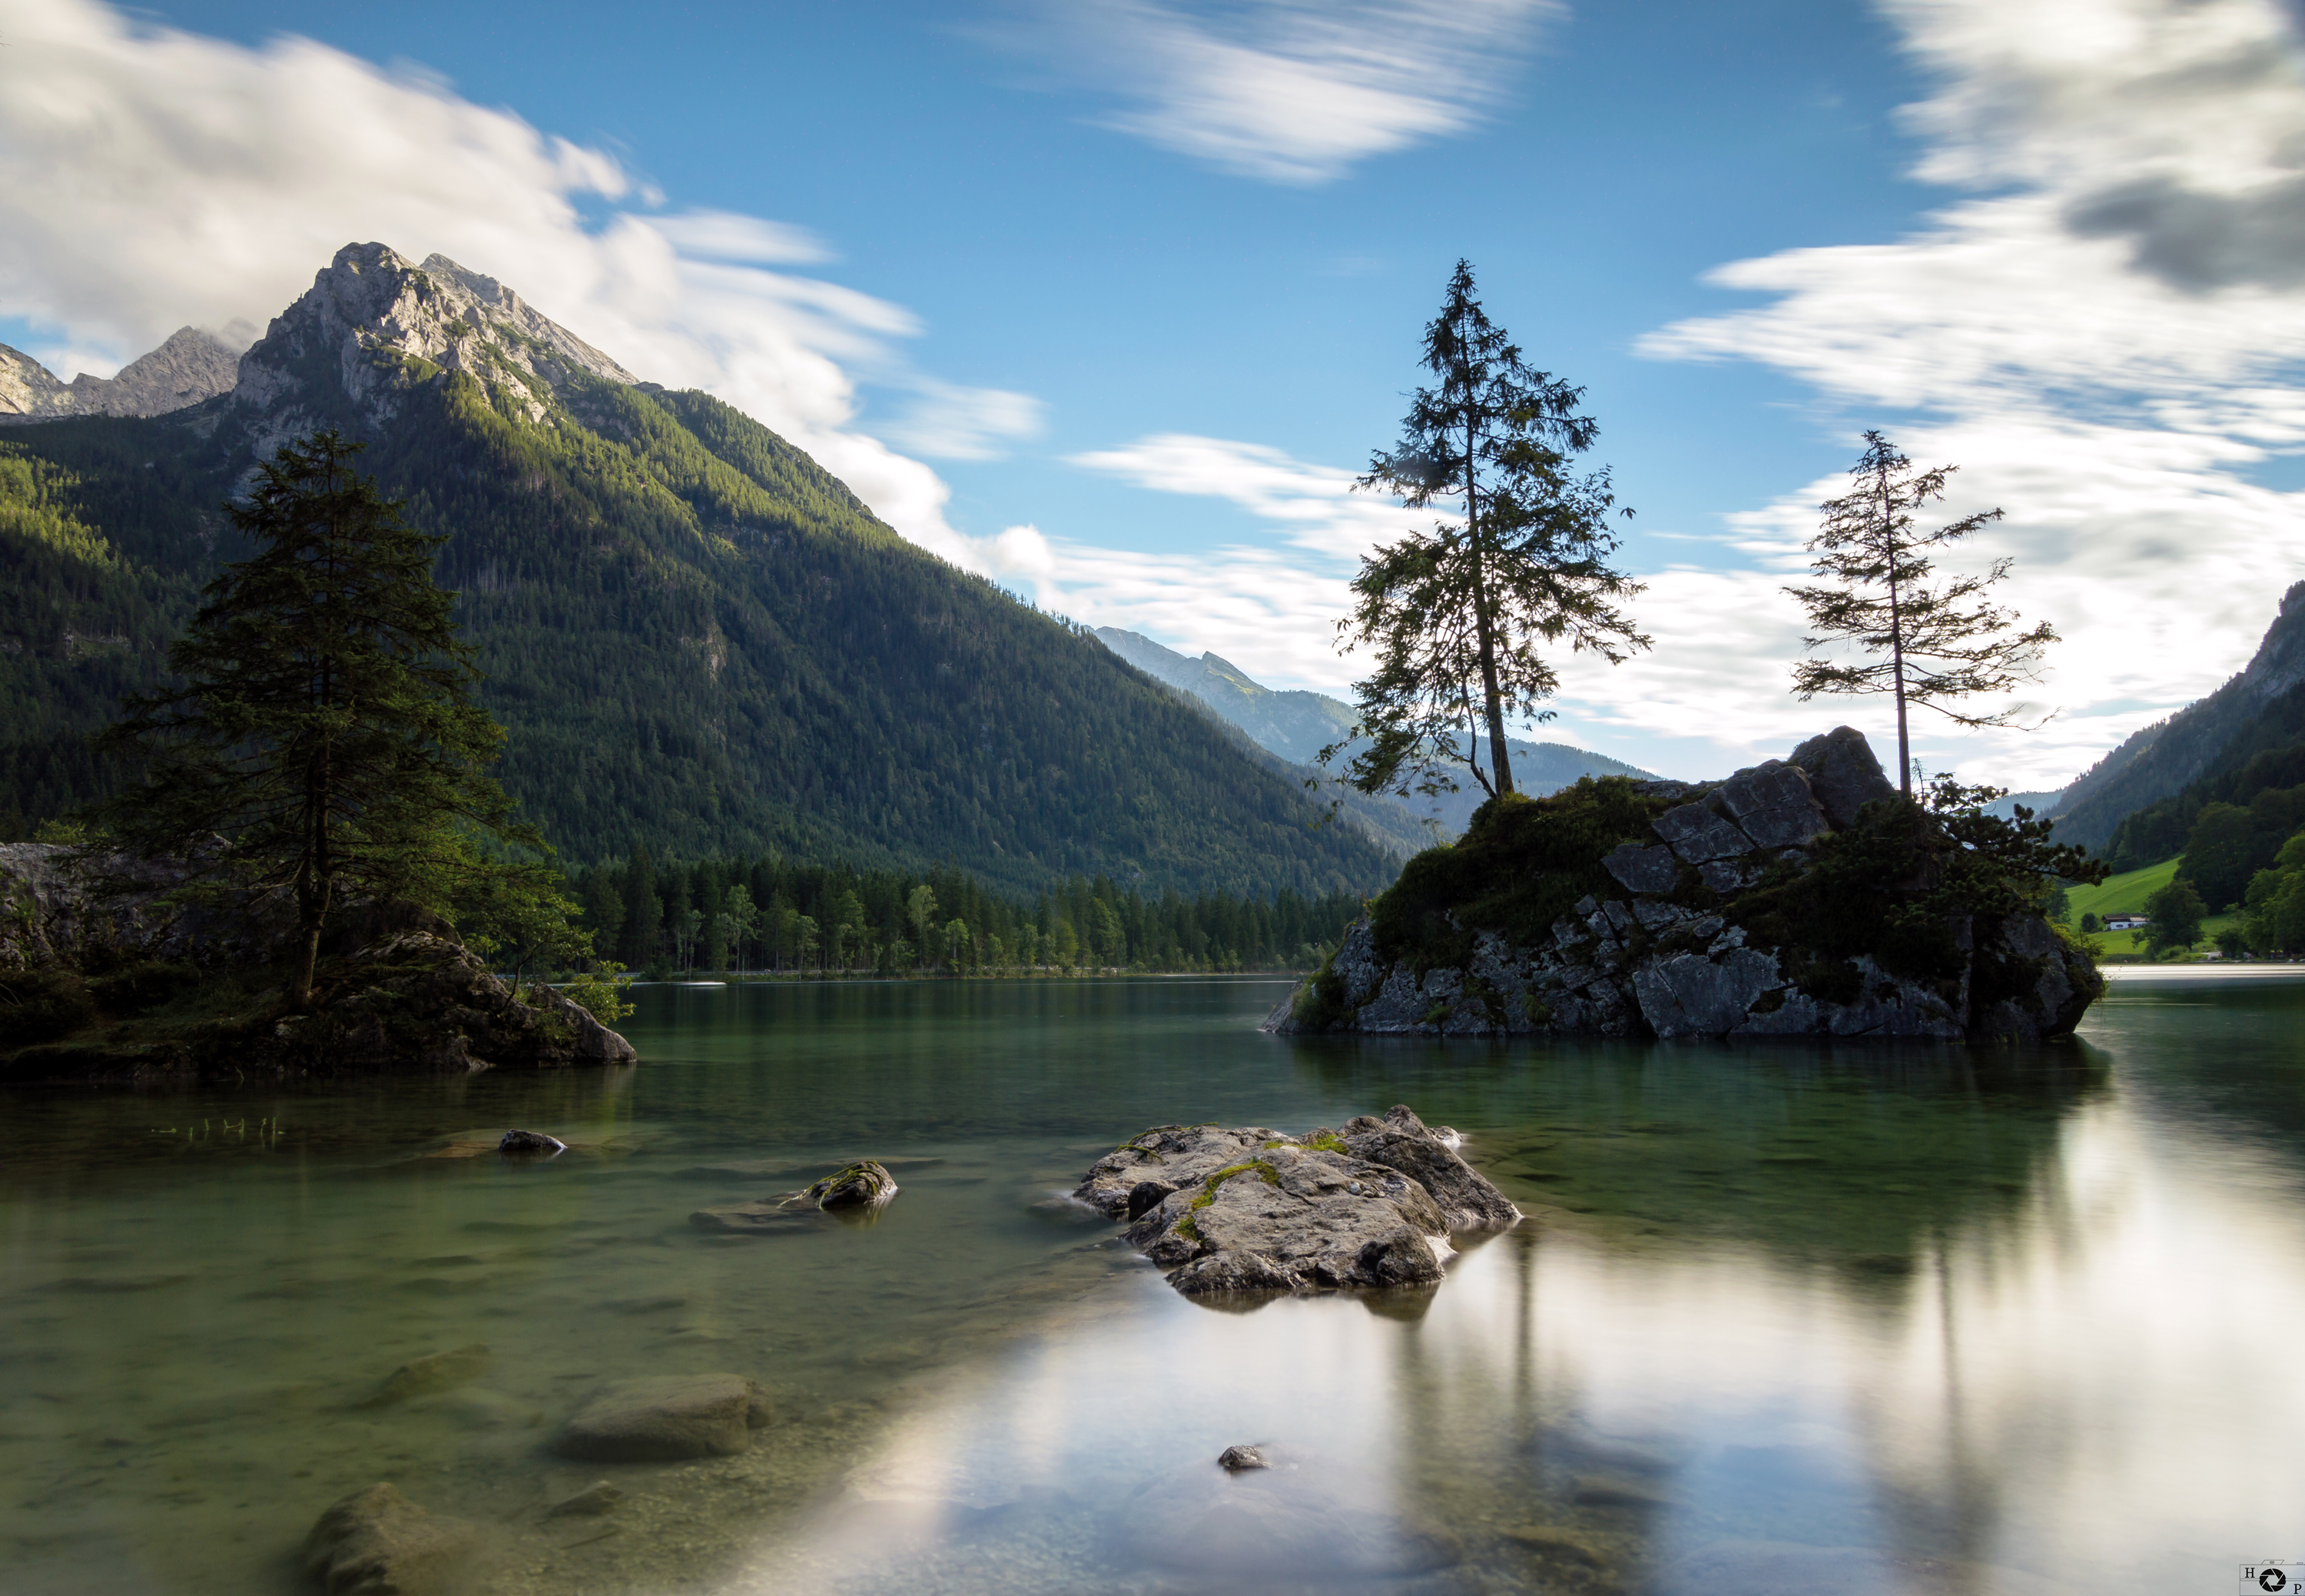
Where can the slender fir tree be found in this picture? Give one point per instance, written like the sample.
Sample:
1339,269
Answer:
323,740
1458,616
1930,643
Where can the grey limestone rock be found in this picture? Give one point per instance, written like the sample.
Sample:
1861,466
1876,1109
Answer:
1253,1212
1236,1458
377,1542
1691,995
1402,1141
665,1418
1645,962
1695,833
1772,804
1638,869
1843,773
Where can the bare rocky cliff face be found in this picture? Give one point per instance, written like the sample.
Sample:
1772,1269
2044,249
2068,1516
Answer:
373,322
100,984
190,367
1677,939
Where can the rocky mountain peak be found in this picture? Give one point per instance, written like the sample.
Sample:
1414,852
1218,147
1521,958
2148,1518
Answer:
191,366
373,321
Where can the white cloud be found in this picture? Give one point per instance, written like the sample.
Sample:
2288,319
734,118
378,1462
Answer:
151,178
1297,90
947,421
2107,343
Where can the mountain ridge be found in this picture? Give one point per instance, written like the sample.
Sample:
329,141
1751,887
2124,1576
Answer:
695,636
1297,724
2160,761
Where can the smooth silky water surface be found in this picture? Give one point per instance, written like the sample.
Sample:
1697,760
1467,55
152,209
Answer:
1783,1318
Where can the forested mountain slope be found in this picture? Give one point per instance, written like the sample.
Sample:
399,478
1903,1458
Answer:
2258,711
694,634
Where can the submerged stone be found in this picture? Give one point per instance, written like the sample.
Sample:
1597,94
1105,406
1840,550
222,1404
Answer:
435,1372
377,1542
665,1418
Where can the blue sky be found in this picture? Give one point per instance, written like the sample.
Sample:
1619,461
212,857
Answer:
1105,298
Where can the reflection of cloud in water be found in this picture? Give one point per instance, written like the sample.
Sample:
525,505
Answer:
2091,1388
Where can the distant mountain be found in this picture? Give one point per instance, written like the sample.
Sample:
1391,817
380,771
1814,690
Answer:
2257,712
191,366
1297,725
695,636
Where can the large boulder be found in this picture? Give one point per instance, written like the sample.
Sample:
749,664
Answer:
1708,911
1246,1210
1843,773
665,1418
105,938
377,1542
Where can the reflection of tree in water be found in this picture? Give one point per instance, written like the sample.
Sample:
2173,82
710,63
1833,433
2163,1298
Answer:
1852,1157
1868,1165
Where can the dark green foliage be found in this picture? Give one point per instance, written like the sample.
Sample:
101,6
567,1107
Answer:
1933,644
2229,844
2173,916
1896,884
1521,865
1456,614
694,636
321,737
1078,923
39,1005
2276,902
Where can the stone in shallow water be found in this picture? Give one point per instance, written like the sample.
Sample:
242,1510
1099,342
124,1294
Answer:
1241,1457
1245,1212
377,1542
435,1372
531,1142
863,1184
591,1502
665,1418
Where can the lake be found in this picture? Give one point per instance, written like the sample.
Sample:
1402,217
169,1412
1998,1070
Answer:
1784,1318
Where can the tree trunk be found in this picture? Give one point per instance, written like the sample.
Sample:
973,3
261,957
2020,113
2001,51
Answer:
1896,641
1498,761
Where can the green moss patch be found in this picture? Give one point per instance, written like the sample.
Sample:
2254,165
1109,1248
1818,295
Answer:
1521,865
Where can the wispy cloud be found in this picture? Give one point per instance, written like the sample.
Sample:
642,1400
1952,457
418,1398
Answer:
151,178
1295,90
2107,341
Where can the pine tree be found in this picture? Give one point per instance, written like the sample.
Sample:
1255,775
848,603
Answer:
1457,614
1930,647
324,741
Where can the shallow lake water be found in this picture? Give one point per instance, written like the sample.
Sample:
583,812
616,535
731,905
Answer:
1787,1318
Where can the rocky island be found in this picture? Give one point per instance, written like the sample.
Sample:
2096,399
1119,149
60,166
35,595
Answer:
101,984
1802,897
1370,1204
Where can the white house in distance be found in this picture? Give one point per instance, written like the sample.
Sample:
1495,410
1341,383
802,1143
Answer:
2126,922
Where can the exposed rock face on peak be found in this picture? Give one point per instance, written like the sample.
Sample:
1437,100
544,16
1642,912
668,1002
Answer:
191,366
1729,909
28,390
373,322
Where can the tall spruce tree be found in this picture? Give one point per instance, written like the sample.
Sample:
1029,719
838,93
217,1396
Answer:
323,740
1517,562
1932,643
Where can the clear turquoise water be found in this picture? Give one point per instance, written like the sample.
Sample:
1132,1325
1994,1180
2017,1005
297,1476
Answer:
1797,1318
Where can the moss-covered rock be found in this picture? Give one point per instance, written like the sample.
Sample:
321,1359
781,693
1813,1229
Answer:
1801,897
129,984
